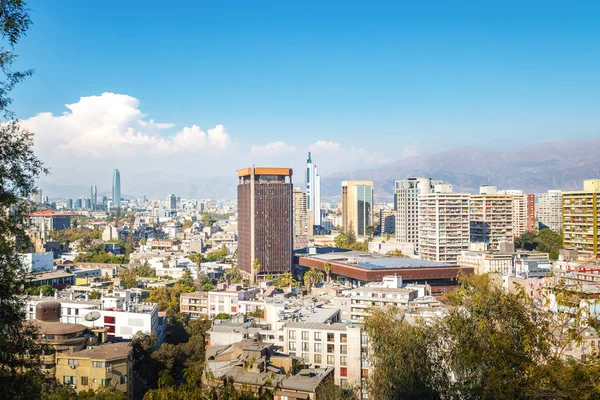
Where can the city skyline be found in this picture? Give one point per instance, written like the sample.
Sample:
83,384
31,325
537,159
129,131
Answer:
416,78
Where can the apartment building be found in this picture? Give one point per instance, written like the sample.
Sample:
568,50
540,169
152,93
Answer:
443,224
387,221
523,211
484,262
549,212
301,229
226,300
580,219
406,204
328,345
491,217
194,305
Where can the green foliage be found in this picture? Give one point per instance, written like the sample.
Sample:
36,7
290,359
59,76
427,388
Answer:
67,236
196,258
545,240
20,377
234,275
258,313
34,290
145,270
491,344
395,253
207,287
222,316
312,277
95,295
347,240
168,297
100,256
128,278
218,256
61,392
187,279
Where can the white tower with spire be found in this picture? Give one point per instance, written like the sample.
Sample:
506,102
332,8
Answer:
313,191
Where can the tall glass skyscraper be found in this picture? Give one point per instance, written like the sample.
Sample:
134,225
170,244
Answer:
116,188
94,196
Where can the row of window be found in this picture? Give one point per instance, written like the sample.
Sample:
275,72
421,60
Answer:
318,347
72,380
317,336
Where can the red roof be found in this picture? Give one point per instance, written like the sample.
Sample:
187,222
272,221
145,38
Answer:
49,213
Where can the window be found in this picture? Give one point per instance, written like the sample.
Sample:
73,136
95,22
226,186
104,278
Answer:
292,346
305,346
70,380
304,335
305,357
84,380
292,335
330,337
318,336
106,382
344,349
318,359
73,362
123,379
330,360
331,348
100,364
344,338
344,383
318,348
343,371
343,360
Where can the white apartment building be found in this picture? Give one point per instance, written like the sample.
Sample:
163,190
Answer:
491,217
406,205
443,224
37,262
519,211
172,229
549,212
329,345
227,299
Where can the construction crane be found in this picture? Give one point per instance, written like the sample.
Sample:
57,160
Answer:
588,266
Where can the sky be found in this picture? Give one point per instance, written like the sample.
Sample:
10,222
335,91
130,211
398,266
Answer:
170,92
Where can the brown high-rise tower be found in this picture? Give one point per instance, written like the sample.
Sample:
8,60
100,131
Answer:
265,219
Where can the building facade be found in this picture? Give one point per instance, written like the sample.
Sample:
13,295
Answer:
116,188
549,211
523,211
301,229
443,225
387,221
580,223
357,207
265,219
313,194
491,218
406,204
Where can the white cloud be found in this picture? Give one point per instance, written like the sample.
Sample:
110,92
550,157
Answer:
272,149
112,124
323,145
335,157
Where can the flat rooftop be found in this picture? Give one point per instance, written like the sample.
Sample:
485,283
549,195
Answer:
376,261
106,351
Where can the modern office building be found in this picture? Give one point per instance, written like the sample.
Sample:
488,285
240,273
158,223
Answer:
171,202
491,217
357,207
301,230
549,211
387,221
406,204
265,219
70,204
580,223
313,194
93,196
116,189
443,226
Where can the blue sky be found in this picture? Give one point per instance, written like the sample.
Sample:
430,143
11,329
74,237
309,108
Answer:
379,77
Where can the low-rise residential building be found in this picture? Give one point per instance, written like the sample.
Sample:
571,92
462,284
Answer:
226,299
194,305
37,262
58,279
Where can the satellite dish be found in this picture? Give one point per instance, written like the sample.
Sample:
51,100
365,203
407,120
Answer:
92,316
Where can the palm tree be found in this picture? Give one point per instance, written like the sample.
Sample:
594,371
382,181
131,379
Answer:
255,269
327,267
234,275
312,277
286,279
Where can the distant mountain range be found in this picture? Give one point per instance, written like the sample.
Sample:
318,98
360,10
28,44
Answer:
535,169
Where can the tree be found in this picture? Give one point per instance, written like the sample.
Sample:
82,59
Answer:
312,277
327,267
395,253
545,240
286,280
255,269
187,279
234,275
46,290
207,287
128,278
222,316
19,168
95,295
